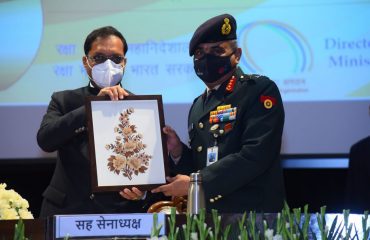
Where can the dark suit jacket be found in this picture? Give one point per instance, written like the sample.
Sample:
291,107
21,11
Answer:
63,129
358,179
248,173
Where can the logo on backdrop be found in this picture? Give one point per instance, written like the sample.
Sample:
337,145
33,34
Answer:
274,45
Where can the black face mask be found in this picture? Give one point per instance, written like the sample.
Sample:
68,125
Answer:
210,68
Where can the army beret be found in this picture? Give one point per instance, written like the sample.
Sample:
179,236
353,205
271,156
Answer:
216,29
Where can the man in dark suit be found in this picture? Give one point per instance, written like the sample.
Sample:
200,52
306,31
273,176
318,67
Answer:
358,178
238,120
63,129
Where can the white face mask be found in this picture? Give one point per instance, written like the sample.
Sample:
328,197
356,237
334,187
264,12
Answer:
106,74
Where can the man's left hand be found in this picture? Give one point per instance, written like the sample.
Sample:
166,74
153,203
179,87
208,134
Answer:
177,187
114,92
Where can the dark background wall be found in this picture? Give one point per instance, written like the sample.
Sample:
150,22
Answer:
316,187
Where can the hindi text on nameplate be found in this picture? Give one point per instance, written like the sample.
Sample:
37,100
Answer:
99,225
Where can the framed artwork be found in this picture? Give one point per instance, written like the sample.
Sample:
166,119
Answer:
126,143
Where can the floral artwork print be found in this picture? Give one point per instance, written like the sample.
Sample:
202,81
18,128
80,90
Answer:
129,156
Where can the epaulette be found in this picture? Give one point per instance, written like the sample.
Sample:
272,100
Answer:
256,76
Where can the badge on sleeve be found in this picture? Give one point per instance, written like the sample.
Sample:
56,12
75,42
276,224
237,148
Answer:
212,155
268,101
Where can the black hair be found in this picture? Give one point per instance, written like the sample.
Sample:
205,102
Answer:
103,32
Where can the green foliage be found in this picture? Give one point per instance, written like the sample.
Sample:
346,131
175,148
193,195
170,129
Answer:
202,225
187,228
216,225
306,222
365,228
322,223
251,224
243,228
156,229
19,230
226,233
289,224
174,231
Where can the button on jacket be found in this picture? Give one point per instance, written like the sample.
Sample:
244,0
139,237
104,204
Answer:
63,129
248,174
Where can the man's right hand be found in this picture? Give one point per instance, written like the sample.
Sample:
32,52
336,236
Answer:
115,92
174,144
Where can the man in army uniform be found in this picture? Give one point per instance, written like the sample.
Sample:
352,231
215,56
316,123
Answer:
235,129
240,118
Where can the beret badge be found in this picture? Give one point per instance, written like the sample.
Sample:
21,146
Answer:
226,27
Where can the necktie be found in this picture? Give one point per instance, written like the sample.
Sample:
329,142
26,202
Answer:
210,94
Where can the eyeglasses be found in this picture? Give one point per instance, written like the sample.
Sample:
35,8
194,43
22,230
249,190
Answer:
101,58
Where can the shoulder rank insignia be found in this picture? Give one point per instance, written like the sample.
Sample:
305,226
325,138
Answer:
226,27
267,101
230,84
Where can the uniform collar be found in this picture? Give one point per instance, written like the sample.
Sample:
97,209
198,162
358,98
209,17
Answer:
221,87
213,89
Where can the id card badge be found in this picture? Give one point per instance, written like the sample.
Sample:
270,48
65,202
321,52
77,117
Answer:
212,155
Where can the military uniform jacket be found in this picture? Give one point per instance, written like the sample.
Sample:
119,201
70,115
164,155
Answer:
248,174
63,129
